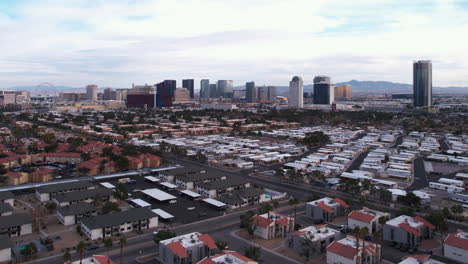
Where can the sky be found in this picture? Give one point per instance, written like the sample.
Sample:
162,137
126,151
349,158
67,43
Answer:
114,43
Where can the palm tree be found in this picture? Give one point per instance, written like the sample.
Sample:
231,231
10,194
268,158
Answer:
364,232
81,248
253,253
122,243
357,233
294,202
378,237
108,244
67,256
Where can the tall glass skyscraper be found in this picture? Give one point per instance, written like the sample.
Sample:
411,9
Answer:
205,88
225,88
422,83
324,92
189,84
296,93
250,92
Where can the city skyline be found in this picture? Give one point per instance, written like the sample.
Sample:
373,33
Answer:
98,42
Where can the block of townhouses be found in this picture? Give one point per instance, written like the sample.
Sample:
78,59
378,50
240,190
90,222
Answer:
5,209
188,248
419,259
189,181
407,230
86,196
242,197
73,214
228,257
112,224
171,175
46,192
220,187
272,224
347,251
5,249
312,240
456,246
7,197
366,218
16,224
326,209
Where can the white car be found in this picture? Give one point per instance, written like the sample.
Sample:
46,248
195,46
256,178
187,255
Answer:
173,201
191,208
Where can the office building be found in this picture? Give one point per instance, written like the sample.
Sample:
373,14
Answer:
182,95
296,91
262,93
92,92
343,92
109,94
272,93
422,83
205,88
250,92
323,90
165,93
225,88
213,90
190,85
238,94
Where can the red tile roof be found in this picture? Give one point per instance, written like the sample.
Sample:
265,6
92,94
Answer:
282,221
342,250
103,260
207,261
325,207
424,221
410,229
338,200
63,154
208,241
178,249
239,256
261,221
418,257
13,174
44,171
361,216
457,241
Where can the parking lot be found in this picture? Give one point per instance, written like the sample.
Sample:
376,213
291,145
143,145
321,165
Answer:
179,209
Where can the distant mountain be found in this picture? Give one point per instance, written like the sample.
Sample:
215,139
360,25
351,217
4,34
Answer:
378,87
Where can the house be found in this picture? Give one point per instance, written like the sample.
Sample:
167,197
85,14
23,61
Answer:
345,251
312,240
188,248
242,197
41,175
17,178
407,230
227,257
366,218
16,224
72,214
5,209
96,259
7,197
47,192
220,187
272,224
87,196
107,225
326,209
5,249
60,157
456,246
419,259
151,161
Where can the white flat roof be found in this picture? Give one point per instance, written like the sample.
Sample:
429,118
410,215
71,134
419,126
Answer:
158,194
152,178
214,202
162,214
190,193
168,185
140,202
107,185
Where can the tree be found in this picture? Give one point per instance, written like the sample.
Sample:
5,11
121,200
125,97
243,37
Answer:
108,243
122,243
385,195
253,253
163,234
121,192
457,210
357,234
85,156
122,163
110,207
221,244
83,170
294,202
265,208
29,250
81,248
51,206
67,255
48,137
247,222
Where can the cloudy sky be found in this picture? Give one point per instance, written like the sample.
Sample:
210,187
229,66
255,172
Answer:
118,42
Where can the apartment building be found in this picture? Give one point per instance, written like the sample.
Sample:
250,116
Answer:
407,230
326,209
312,240
346,251
272,224
366,218
5,249
47,192
456,246
73,214
228,257
186,249
7,197
16,224
86,196
220,187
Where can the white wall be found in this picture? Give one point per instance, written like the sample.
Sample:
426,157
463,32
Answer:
26,229
352,223
455,253
261,232
333,258
5,255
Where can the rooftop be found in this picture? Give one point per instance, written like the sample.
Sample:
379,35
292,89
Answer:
83,194
458,239
5,195
118,218
14,220
62,187
76,209
228,257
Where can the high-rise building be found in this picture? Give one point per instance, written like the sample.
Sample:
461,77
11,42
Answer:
272,93
165,93
324,92
92,92
182,95
343,92
213,90
189,84
225,88
109,94
262,93
250,92
205,88
422,83
296,91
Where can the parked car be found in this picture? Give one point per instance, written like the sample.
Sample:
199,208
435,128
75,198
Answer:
93,247
404,248
343,228
173,201
412,250
191,208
